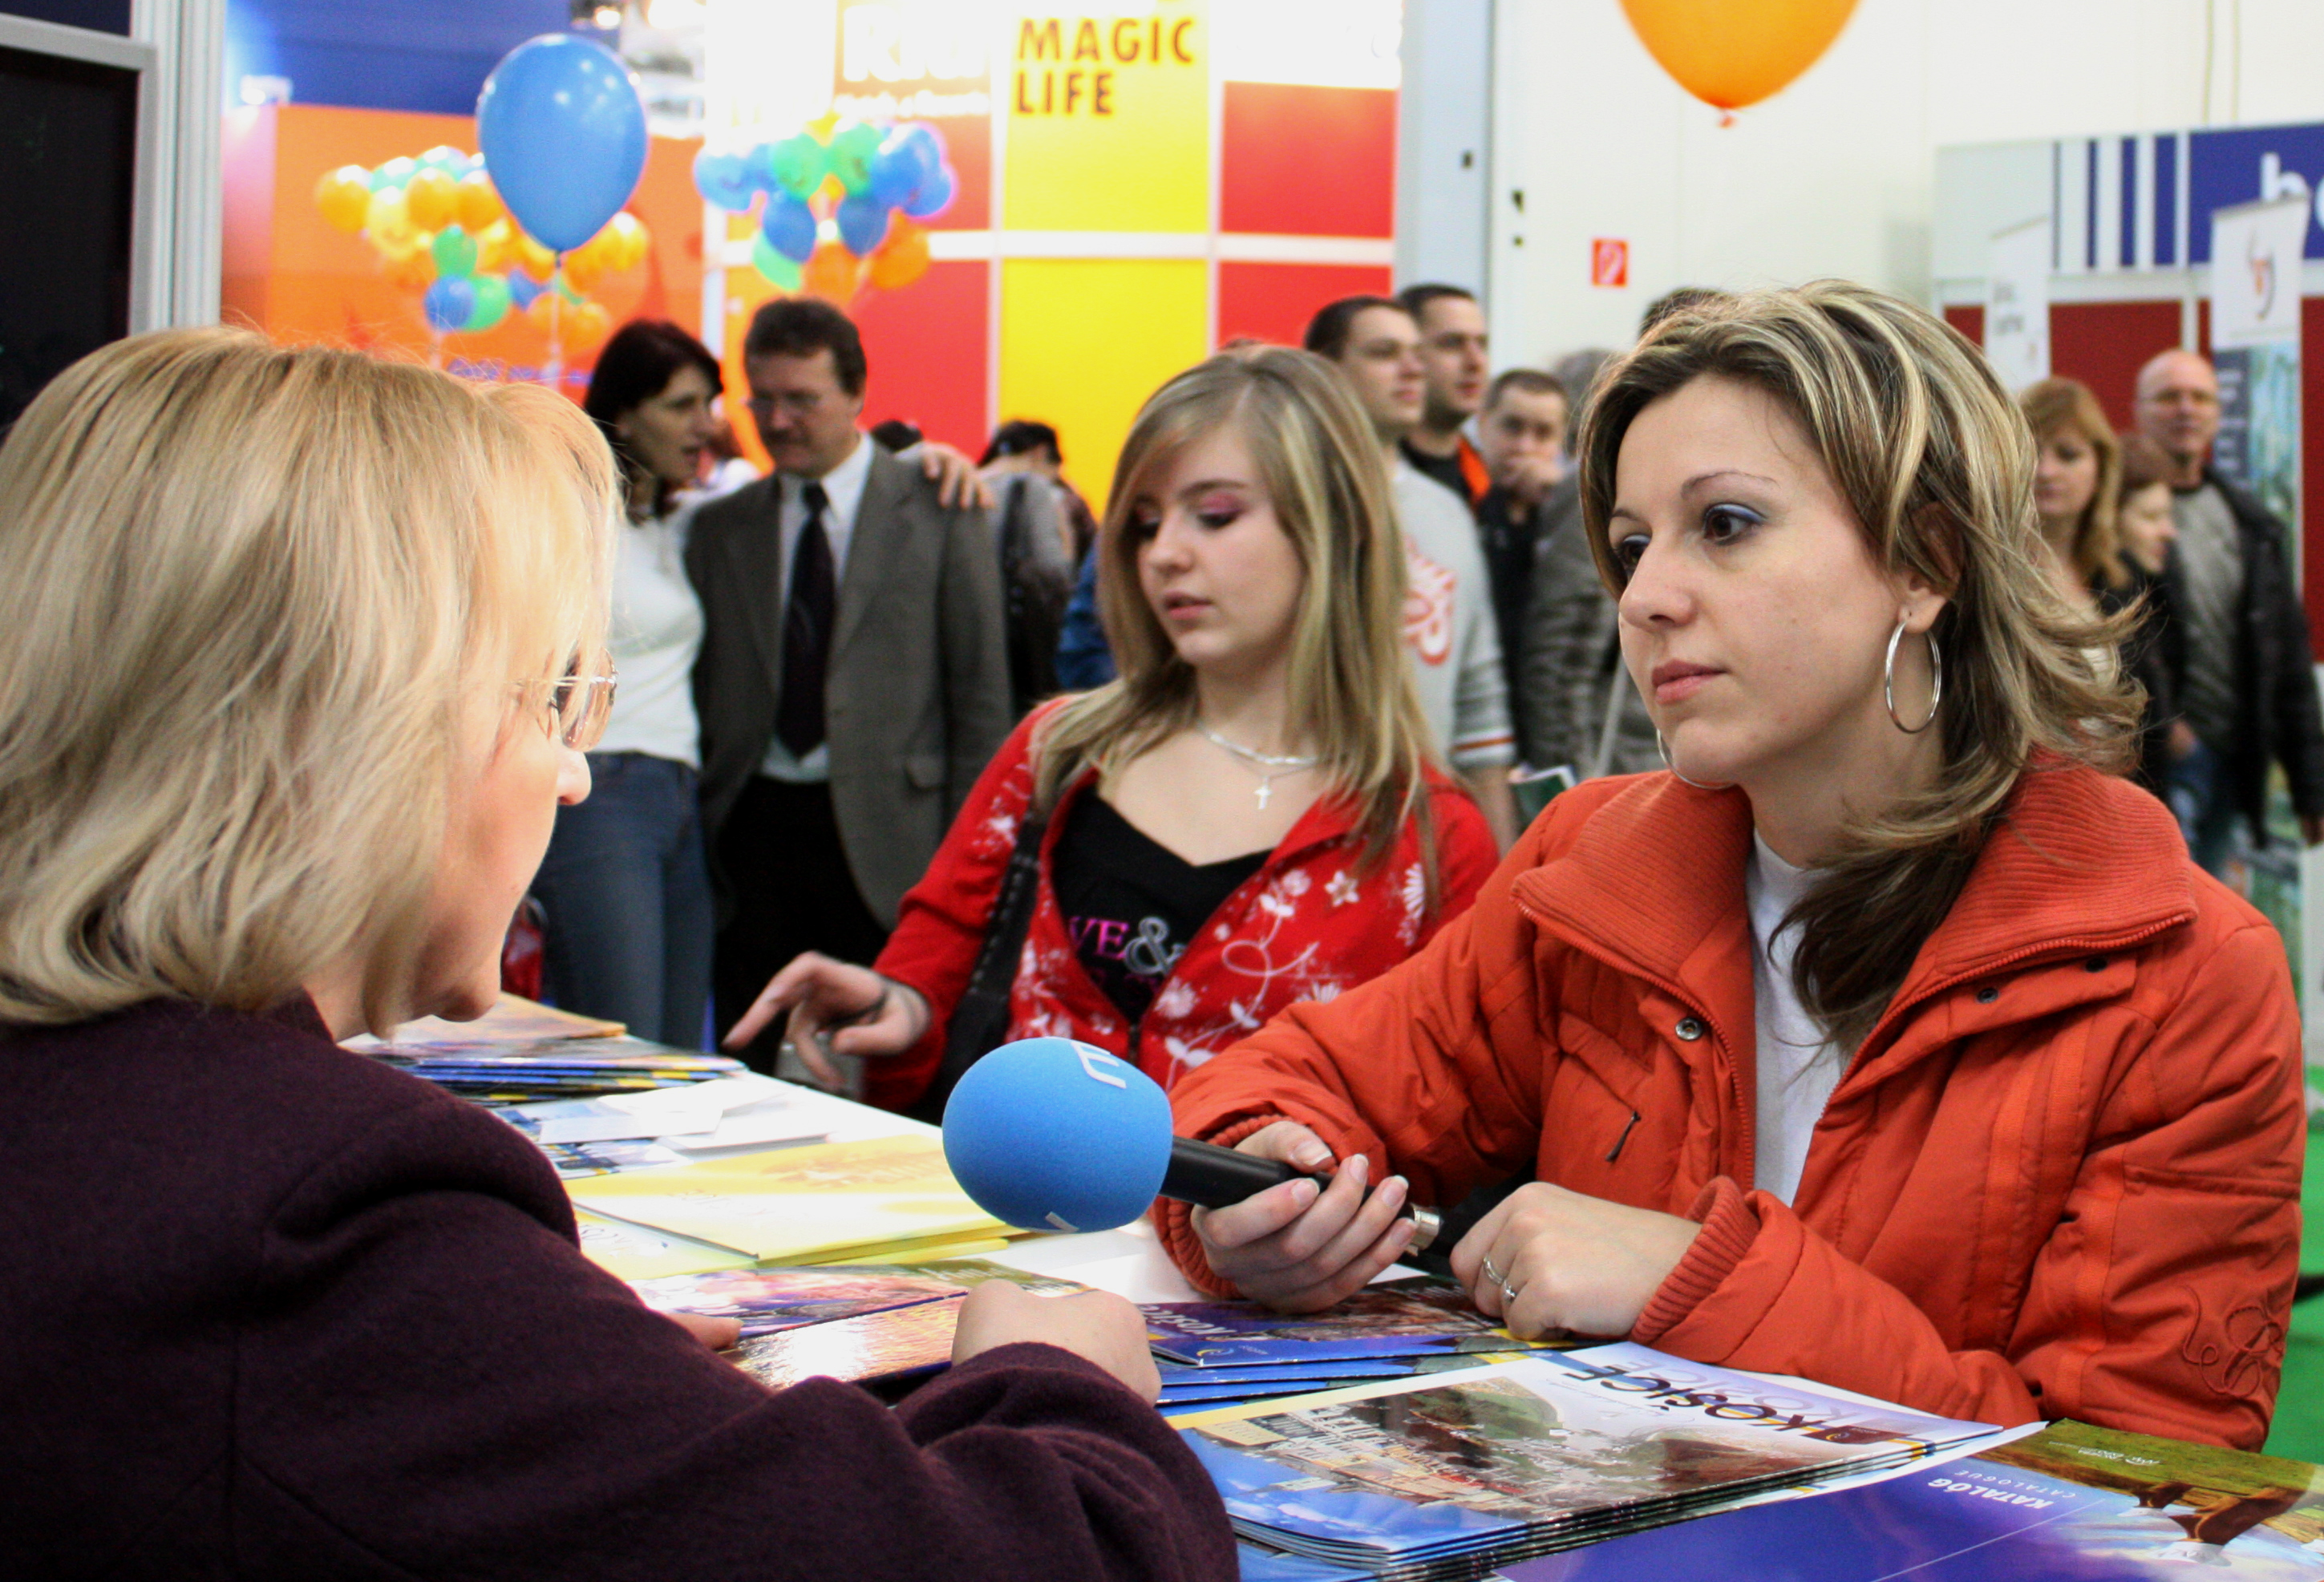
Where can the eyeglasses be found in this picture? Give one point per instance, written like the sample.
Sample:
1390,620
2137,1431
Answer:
578,706
798,404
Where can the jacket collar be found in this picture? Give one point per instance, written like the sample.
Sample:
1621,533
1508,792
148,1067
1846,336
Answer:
1653,884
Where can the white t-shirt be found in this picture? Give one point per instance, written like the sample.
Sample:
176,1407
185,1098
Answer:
1797,1068
655,633
1448,624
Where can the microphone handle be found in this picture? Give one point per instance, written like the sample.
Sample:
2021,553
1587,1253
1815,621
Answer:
1212,1177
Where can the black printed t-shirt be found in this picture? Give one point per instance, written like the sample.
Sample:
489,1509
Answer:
1131,904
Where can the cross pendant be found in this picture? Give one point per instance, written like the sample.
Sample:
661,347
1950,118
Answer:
1266,789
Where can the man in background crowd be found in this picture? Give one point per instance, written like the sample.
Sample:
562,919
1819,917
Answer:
1455,361
854,679
1521,435
2247,693
1579,708
1448,612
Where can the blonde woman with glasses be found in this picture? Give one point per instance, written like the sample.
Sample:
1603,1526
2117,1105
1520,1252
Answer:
299,655
1251,815
1887,1039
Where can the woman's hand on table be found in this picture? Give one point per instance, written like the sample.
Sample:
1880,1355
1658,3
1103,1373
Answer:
1096,1326
835,1008
1576,1265
718,1334
1299,1247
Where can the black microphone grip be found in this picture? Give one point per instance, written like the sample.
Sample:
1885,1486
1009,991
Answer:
1212,1177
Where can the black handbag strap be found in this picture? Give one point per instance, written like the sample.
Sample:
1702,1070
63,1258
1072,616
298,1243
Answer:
980,1022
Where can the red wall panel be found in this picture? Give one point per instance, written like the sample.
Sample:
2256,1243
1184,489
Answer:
1274,301
1970,319
2105,344
1307,162
927,348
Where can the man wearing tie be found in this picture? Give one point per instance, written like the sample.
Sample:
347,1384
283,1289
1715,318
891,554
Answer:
853,677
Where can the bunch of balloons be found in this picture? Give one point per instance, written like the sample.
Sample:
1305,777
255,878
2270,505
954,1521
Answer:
843,200
440,228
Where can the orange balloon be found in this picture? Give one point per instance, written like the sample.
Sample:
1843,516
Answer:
831,274
410,272
432,199
536,261
495,248
902,258
541,307
1729,53
586,327
478,202
626,242
583,269
344,196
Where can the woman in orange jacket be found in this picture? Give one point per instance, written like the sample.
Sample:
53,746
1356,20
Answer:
1887,1039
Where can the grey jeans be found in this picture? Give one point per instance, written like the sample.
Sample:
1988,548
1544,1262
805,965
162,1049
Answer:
627,894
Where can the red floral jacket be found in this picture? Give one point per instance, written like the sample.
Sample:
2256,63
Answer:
1307,926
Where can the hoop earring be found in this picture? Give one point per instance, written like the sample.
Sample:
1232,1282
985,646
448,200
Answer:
1937,684
1664,747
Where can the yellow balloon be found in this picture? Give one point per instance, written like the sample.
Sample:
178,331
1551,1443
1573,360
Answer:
480,204
388,223
536,261
628,241
1729,53
344,196
413,270
495,248
432,199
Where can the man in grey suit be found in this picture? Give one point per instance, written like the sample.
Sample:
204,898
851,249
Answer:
853,678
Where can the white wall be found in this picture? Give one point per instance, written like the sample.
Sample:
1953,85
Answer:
1833,176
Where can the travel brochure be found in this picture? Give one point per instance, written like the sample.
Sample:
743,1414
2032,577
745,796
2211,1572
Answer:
1454,1475
1400,1318
892,1343
768,1301
2071,1504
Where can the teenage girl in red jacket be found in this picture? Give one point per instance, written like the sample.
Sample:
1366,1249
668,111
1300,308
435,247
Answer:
1885,1040
1249,817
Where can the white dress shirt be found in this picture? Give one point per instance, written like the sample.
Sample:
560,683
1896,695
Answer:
843,488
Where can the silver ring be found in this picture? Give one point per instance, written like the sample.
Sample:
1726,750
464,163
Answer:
1493,1274
1508,1298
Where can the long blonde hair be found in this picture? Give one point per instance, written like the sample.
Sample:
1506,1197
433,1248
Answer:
255,598
1351,692
2051,405
1937,464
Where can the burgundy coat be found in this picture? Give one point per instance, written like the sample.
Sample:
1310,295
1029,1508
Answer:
269,1309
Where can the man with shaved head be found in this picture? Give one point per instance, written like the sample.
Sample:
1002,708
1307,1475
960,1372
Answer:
2248,686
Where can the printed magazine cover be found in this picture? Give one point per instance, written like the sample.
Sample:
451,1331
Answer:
1421,1478
2071,1503
766,1301
892,1343
1398,1319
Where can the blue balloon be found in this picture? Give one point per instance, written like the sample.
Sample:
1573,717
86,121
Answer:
564,135
935,194
523,288
863,224
897,172
448,303
788,227
725,179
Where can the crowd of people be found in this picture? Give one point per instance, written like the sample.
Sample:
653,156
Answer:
1862,1010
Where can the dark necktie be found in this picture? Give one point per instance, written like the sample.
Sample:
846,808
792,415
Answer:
806,630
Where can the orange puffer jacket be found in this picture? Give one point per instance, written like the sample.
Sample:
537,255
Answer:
2060,1179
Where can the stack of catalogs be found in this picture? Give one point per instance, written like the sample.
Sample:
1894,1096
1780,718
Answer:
1455,1475
518,1052
1213,1353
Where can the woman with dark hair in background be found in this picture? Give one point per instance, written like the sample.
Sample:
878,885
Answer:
625,885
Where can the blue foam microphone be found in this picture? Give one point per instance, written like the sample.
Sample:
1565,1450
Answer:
1053,1135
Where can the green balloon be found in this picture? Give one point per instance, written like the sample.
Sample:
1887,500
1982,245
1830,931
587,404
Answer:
491,303
443,157
395,173
455,253
782,270
798,164
852,153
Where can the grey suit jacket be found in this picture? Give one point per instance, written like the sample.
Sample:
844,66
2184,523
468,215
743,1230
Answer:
916,694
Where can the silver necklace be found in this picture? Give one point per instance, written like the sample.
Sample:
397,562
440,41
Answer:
1281,765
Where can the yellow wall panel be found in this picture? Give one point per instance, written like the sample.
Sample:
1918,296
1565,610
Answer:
1084,341
1109,118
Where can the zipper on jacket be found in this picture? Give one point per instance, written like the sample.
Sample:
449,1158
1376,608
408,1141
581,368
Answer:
1615,1152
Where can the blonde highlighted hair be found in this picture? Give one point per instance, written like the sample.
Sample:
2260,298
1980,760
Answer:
1937,464
1349,690
256,598
2052,405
